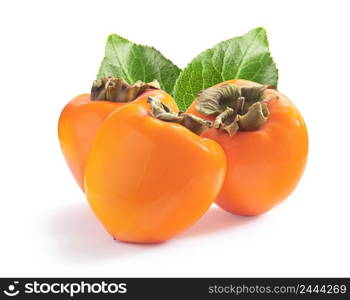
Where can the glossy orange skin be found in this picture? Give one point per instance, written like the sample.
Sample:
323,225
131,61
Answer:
148,180
263,166
80,120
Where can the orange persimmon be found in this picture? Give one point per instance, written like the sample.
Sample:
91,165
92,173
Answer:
265,141
83,115
148,177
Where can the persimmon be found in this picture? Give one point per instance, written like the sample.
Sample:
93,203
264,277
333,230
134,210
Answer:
150,174
265,141
82,116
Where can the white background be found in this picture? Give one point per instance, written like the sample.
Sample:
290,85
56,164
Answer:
51,51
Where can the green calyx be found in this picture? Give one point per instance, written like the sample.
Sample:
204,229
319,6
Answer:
118,90
162,112
236,108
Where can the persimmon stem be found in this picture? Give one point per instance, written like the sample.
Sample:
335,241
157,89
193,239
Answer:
236,108
240,105
118,90
163,112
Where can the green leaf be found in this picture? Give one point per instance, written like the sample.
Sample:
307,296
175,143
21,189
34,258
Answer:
137,62
243,57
